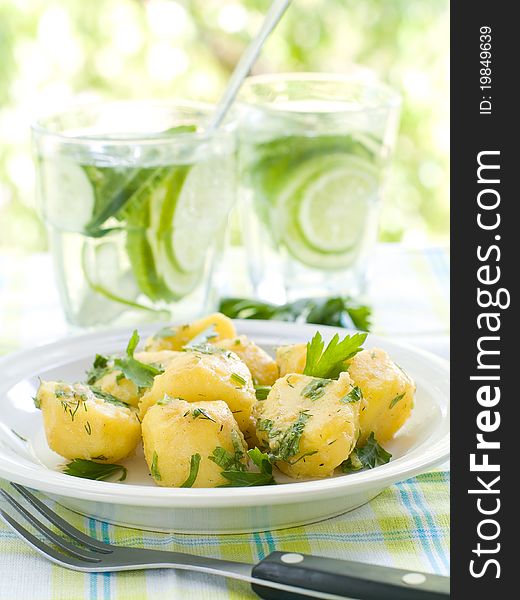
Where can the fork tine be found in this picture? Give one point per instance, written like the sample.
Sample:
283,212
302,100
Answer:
47,551
60,523
50,535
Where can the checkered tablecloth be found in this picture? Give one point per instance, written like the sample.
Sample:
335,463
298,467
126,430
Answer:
407,525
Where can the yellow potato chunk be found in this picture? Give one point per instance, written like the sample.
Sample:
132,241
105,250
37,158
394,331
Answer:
263,368
214,374
388,390
310,424
122,388
80,424
178,336
291,359
174,431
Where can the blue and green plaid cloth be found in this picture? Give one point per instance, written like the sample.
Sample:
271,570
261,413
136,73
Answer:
405,526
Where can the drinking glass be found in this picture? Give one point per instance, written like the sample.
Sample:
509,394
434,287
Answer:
135,196
313,151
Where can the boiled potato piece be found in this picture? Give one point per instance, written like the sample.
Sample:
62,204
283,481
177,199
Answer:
175,430
388,390
213,374
263,368
80,424
122,388
311,424
178,336
291,359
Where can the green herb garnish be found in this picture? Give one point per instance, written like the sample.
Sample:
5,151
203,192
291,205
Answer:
355,395
36,401
204,348
201,412
154,469
194,471
338,311
309,453
141,374
329,363
368,456
238,379
100,367
315,389
108,397
241,478
225,459
262,391
88,469
396,400
164,400
289,440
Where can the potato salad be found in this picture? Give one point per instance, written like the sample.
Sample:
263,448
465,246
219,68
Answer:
213,409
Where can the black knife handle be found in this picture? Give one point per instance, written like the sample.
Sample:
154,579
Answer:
346,579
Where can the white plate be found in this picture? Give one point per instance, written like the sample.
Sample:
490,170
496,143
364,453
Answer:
422,443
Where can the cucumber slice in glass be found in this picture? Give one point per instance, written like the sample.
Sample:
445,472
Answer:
179,283
143,264
106,278
69,197
197,218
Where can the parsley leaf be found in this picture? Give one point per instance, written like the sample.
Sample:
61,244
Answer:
355,395
139,373
242,478
223,458
228,461
329,363
88,469
315,389
289,441
246,479
108,397
368,456
194,471
100,367
337,311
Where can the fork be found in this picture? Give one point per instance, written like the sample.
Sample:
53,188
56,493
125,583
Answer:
279,576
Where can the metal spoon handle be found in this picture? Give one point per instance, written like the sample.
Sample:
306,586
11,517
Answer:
247,60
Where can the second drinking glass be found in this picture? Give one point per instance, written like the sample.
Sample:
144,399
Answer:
313,149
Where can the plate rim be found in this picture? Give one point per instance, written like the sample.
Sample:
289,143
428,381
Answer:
59,484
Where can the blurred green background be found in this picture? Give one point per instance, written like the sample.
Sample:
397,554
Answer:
53,51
